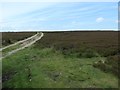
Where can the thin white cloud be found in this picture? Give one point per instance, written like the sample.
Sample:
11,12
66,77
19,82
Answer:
100,19
117,21
39,19
15,9
86,8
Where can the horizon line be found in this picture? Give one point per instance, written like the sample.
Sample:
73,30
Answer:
54,30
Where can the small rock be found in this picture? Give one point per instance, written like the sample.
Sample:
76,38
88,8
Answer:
30,80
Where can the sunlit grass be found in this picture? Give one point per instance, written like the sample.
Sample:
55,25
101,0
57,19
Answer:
48,68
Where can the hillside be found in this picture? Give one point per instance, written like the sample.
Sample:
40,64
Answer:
65,60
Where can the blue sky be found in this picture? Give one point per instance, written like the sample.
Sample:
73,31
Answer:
58,16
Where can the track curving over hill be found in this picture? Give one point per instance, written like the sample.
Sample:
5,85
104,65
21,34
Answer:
20,45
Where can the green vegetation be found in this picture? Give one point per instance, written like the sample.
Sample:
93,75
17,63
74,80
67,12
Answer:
48,68
5,51
110,64
65,60
18,45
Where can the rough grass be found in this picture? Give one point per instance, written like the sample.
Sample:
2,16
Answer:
48,68
64,60
5,51
110,64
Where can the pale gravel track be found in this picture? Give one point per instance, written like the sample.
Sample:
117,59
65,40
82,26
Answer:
18,42
28,43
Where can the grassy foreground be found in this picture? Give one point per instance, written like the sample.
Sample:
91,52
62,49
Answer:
48,68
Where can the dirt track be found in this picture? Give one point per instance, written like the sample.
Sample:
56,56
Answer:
22,44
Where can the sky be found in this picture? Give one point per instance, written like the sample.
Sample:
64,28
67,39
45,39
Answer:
34,16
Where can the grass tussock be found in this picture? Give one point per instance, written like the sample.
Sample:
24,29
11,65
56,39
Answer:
110,64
